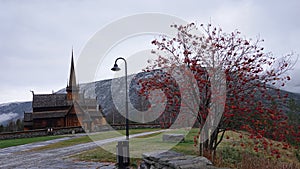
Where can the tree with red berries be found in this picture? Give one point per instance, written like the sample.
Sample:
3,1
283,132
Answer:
252,101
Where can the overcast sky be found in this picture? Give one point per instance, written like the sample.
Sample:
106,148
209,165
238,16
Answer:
36,37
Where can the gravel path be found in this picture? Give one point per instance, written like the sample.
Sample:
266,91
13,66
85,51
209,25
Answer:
18,157
25,147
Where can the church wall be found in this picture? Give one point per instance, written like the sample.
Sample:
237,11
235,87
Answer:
48,123
41,109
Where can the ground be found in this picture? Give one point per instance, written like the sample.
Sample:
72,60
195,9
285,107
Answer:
78,151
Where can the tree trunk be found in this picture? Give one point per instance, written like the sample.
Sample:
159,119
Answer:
201,149
208,147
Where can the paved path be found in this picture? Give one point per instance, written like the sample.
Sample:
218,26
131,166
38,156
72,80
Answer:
25,147
54,158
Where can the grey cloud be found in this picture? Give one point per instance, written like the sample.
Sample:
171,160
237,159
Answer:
36,37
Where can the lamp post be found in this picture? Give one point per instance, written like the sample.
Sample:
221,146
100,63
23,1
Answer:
117,68
123,159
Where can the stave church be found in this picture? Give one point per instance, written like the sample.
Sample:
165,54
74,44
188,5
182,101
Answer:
69,109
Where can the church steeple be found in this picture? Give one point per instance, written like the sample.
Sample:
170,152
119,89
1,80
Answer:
72,87
72,79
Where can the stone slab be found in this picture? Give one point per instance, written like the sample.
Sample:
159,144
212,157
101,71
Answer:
173,138
174,160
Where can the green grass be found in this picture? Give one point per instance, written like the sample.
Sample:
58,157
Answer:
97,155
90,138
65,143
138,146
74,141
187,147
21,141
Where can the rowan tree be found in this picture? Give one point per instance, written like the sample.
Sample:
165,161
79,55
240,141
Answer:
252,78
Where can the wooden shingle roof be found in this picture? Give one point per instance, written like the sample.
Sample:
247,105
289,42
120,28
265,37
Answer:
50,100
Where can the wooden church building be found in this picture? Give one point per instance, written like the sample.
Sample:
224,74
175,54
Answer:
70,109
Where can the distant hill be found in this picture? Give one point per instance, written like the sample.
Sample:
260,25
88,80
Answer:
13,111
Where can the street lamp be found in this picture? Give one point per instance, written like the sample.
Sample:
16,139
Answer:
117,68
123,159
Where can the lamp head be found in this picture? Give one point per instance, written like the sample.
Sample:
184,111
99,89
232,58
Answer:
116,67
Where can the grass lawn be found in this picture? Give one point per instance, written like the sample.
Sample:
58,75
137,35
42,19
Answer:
138,146
78,140
92,137
21,141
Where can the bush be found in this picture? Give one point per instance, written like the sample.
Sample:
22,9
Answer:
231,155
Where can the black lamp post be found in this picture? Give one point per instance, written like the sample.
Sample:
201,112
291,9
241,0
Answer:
123,158
117,68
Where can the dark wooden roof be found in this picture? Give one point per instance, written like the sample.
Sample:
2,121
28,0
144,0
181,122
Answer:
49,114
50,100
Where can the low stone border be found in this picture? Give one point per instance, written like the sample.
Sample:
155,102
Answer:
40,132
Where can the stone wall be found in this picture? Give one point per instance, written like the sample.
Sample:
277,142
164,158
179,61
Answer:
174,160
134,126
66,130
40,132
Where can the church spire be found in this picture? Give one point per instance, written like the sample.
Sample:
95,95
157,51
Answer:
72,86
72,79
